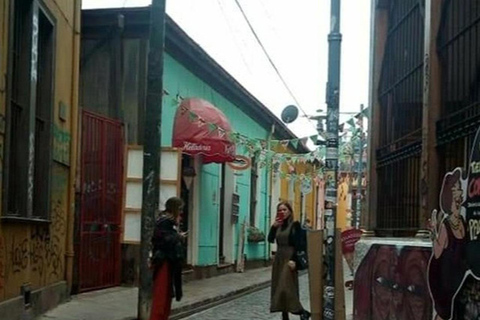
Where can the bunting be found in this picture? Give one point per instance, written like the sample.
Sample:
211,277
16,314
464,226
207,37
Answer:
267,158
294,143
212,127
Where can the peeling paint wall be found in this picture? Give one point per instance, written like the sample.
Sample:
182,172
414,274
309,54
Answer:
34,253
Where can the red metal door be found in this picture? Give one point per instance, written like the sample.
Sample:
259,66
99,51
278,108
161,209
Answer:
101,205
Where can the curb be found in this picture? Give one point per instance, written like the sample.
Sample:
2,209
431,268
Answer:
185,311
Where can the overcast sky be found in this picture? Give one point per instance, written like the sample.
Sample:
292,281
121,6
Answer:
294,33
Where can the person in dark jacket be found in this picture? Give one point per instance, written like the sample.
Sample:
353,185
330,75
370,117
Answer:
167,259
286,232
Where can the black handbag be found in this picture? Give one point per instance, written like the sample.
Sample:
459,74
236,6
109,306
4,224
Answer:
302,260
301,253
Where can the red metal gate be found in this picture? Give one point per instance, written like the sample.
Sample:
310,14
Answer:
101,205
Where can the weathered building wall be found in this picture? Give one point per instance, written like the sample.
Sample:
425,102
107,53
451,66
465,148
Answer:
35,253
438,138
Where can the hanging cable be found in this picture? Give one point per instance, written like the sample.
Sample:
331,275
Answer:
271,62
227,21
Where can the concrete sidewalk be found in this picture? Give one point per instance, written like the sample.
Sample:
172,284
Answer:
121,303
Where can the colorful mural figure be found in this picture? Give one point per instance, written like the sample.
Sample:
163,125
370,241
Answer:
454,269
473,209
448,265
467,301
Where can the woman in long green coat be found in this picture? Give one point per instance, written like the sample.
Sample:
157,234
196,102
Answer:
285,296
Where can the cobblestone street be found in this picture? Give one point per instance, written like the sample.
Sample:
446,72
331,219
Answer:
253,306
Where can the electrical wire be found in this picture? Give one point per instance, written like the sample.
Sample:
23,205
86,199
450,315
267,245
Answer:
269,18
227,21
271,62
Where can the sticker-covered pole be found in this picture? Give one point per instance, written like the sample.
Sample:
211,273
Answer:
331,161
151,151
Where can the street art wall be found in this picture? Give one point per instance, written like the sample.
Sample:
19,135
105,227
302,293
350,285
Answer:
35,256
454,269
391,283
441,282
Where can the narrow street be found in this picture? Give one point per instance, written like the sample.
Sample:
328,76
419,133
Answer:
121,303
252,306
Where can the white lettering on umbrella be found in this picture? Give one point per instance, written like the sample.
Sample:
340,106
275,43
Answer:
190,146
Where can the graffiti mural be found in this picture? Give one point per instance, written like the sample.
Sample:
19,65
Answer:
37,254
46,253
447,265
19,255
391,283
50,242
454,269
42,252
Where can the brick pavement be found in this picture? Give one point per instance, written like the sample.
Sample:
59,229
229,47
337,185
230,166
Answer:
121,303
255,306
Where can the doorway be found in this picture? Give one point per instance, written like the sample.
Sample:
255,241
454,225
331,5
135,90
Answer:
102,156
221,231
186,193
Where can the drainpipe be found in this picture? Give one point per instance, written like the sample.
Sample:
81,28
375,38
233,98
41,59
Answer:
69,252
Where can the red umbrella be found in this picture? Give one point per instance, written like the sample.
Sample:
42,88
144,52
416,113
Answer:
201,128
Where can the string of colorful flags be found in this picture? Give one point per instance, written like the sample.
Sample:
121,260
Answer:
354,127
252,143
264,149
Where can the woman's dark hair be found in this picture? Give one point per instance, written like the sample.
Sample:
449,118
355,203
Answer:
286,204
173,206
446,198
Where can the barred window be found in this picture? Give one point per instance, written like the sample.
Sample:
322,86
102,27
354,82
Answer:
29,113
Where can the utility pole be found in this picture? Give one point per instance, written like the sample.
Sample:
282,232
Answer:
331,161
151,151
360,170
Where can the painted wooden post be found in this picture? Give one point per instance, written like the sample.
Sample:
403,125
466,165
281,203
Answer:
339,280
315,272
429,177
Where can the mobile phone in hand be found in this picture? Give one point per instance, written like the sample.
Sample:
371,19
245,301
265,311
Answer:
279,216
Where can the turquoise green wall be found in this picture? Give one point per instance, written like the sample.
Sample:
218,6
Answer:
209,209
178,80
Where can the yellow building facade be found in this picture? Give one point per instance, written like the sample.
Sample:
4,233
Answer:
39,64
304,204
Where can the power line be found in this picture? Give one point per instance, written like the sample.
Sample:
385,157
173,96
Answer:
271,61
233,33
269,18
